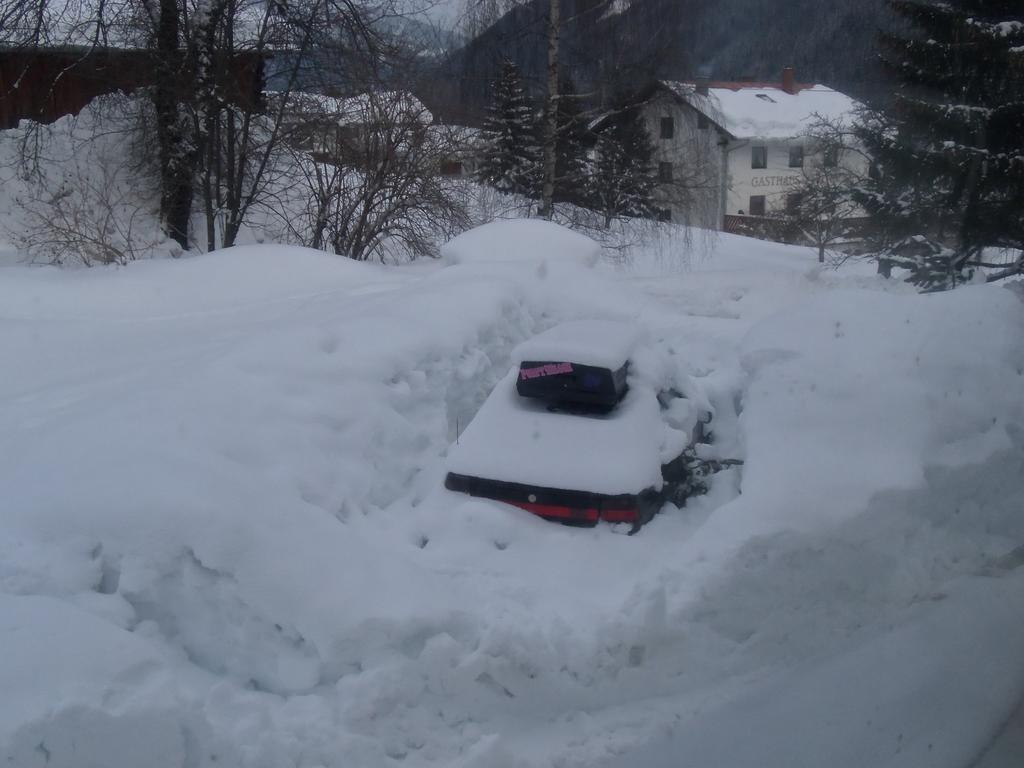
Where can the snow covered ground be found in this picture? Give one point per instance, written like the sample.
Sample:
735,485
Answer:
224,540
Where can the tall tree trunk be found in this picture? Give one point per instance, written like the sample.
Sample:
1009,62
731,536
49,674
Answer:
238,138
172,134
210,180
551,116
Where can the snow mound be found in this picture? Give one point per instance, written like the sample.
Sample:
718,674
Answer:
923,694
219,283
225,539
80,691
530,240
77,196
933,379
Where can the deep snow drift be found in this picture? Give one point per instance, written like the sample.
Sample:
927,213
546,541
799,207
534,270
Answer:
224,540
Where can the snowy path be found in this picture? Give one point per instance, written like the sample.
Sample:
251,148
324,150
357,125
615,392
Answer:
228,469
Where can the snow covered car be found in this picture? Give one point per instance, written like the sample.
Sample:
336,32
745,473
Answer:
590,425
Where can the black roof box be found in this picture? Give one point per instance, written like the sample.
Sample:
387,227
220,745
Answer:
564,383
580,363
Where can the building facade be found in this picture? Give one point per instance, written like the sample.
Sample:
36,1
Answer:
729,154
690,158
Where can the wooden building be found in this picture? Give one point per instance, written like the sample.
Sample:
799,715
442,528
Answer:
45,84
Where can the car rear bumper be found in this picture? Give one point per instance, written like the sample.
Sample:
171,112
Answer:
578,507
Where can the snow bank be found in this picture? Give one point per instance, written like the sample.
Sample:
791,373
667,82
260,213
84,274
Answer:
224,533
79,691
221,283
531,240
196,453
880,432
211,451
891,383
930,692
70,193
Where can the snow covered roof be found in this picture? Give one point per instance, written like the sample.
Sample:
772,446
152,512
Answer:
763,110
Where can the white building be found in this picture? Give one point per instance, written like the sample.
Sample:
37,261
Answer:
728,151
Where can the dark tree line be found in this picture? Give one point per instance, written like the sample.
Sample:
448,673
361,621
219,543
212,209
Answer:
511,157
606,168
609,53
949,148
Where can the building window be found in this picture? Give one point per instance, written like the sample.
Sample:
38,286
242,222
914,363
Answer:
668,128
759,157
663,214
702,121
451,168
796,156
756,205
873,173
830,157
665,173
793,200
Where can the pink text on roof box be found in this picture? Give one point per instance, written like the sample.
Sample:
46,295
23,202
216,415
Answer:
550,369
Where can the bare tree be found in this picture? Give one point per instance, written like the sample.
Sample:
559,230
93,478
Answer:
239,133
820,204
88,220
213,138
371,179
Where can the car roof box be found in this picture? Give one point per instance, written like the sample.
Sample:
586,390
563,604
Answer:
562,383
582,363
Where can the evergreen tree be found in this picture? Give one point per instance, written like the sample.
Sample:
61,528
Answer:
570,148
510,159
950,147
622,179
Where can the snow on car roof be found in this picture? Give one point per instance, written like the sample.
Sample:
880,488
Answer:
519,440
521,240
601,343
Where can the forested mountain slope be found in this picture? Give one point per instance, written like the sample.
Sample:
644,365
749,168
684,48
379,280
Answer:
609,49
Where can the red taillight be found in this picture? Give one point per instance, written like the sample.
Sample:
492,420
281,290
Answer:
577,514
559,512
619,515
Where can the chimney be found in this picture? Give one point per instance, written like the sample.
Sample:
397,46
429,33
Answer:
702,84
789,80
